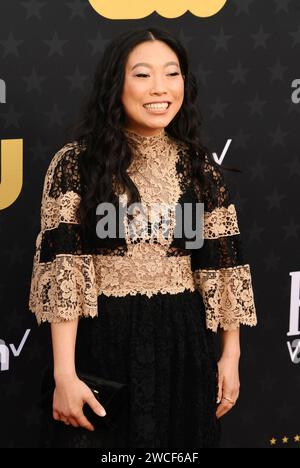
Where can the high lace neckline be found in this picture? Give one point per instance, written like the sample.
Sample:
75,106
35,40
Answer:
142,141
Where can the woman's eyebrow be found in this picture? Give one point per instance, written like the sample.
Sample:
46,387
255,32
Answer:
150,66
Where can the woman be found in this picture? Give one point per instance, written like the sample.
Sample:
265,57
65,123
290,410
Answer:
149,302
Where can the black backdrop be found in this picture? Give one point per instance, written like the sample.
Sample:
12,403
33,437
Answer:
246,59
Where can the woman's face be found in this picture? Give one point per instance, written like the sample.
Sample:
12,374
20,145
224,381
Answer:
152,74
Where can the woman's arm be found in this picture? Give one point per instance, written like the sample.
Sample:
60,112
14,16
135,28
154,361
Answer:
70,392
59,260
222,275
63,345
230,342
228,370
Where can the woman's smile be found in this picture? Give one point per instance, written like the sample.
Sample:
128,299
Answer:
157,108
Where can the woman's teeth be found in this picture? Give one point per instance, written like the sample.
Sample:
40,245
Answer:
160,106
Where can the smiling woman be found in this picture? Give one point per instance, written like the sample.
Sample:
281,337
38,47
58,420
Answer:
153,87
140,309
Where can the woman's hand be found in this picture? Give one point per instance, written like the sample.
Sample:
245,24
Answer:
69,396
228,383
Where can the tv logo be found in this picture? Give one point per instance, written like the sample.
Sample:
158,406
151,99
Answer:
11,163
5,351
135,9
2,92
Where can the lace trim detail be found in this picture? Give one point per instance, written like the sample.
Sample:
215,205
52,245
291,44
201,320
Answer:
153,170
228,297
60,210
68,286
141,141
63,289
221,222
144,270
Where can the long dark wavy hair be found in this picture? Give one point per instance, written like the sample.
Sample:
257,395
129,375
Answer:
106,154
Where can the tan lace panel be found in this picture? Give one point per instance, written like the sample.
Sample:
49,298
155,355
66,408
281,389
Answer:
60,210
63,289
221,222
69,286
153,170
228,296
143,271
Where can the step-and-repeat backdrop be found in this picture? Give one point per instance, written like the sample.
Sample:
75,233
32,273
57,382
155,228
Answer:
245,55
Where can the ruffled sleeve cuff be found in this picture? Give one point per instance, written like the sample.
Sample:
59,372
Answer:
63,289
228,296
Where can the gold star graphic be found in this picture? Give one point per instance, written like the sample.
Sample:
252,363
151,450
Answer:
273,441
285,440
297,438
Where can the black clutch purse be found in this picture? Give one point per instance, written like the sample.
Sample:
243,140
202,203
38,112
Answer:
112,395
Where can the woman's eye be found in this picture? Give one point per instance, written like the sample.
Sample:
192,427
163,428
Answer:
143,74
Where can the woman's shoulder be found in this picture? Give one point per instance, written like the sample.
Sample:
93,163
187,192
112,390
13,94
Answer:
63,170
67,154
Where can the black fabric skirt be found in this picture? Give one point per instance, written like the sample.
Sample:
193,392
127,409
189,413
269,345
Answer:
161,348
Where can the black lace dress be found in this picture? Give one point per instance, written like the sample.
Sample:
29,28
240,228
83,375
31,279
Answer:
148,306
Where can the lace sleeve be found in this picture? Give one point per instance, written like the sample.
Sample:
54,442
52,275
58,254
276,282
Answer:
220,270
63,283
